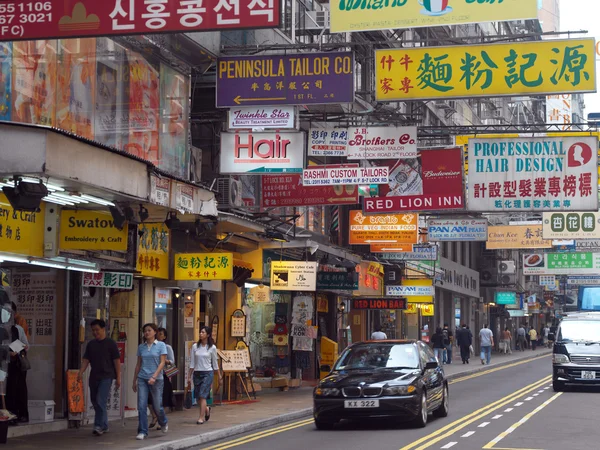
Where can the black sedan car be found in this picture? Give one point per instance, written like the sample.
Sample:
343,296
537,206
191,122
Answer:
399,379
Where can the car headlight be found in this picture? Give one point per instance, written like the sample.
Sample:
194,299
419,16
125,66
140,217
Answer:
399,390
559,358
327,392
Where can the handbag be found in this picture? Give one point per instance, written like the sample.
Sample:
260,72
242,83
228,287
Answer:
171,371
187,403
23,362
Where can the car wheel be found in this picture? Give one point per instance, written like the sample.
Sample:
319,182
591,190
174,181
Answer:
325,425
558,386
421,419
444,408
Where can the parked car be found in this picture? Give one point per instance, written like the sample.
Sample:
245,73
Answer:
399,378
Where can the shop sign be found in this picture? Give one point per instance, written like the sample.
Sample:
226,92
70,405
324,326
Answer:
337,280
287,190
505,298
162,296
591,245
409,291
258,153
370,281
21,232
378,303
203,266
154,242
431,182
382,143
391,248
458,278
561,263
112,280
383,228
44,19
160,191
559,110
91,230
533,174
507,69
516,313
35,296
417,254
361,16
188,312
184,198
583,280
575,225
547,280
263,117
427,309
516,237
457,230
298,79
293,276
343,176
328,141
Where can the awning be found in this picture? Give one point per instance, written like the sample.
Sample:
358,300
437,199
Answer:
296,248
242,264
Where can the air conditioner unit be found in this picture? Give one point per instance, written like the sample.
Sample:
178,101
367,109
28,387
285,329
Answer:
230,191
507,279
316,20
506,267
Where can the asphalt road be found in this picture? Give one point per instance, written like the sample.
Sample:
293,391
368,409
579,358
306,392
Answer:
512,408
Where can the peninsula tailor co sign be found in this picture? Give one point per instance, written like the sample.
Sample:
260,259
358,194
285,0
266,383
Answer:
382,143
91,230
43,19
299,79
533,174
353,15
264,117
431,182
328,142
328,176
522,68
258,153
457,230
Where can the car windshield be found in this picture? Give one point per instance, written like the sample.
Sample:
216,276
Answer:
579,331
379,356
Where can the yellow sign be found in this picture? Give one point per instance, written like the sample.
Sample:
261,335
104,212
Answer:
383,228
516,236
540,67
154,241
204,266
423,285
357,15
427,309
21,232
91,230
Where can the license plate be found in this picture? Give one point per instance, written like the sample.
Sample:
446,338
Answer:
361,404
588,375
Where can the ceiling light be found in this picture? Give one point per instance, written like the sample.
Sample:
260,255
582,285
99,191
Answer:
97,200
83,269
17,259
25,196
69,198
53,265
58,200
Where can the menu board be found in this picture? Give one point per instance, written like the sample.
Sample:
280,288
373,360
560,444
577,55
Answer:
234,360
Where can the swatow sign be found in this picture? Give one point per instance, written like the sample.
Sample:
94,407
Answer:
91,230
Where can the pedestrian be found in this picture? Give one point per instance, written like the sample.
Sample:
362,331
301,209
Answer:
16,383
506,341
464,340
148,377
438,345
533,338
527,335
203,365
378,335
448,341
167,387
20,320
102,354
486,338
545,333
521,342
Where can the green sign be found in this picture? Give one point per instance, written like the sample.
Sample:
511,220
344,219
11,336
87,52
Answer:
337,280
570,260
506,298
114,280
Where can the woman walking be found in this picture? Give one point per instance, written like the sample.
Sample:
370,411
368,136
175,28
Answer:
203,365
152,355
167,397
506,341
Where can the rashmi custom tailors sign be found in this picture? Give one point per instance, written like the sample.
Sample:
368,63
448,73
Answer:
342,176
533,174
431,182
91,230
257,153
288,190
573,225
383,228
538,67
328,142
299,79
154,242
516,237
382,143
265,117
293,276
203,266
351,15
457,230
42,19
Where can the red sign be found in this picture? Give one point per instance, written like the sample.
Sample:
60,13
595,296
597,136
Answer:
287,190
43,19
431,182
379,303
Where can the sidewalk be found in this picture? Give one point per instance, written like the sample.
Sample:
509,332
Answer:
272,408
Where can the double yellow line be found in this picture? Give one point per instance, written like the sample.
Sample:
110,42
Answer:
450,429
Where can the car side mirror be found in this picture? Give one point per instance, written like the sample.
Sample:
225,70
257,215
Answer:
551,337
325,368
431,365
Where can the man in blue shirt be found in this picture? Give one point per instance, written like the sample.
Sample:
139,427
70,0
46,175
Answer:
487,342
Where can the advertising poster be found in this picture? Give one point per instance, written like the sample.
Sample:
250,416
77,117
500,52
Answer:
486,70
382,143
328,141
293,276
573,225
516,237
383,228
144,103
457,230
288,190
34,82
188,313
533,174
433,181
174,106
76,88
6,63
264,117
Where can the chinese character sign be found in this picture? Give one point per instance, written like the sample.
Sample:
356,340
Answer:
573,225
203,266
42,19
328,141
516,236
540,67
20,231
154,242
561,264
533,174
559,110
35,296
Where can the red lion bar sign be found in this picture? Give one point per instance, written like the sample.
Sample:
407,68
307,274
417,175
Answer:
378,303
44,19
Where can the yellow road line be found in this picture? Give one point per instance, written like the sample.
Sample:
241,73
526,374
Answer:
260,435
461,423
521,422
478,374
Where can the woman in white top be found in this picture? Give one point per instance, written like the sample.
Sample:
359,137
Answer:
204,363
